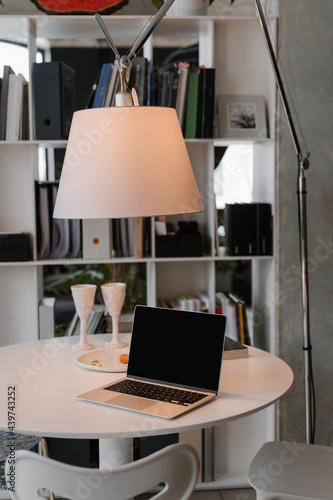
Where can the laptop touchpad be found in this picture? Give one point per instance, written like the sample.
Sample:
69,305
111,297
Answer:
124,401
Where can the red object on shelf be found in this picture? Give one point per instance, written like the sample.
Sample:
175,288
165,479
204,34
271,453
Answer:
79,6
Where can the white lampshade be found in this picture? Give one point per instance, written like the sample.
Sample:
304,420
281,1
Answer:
125,162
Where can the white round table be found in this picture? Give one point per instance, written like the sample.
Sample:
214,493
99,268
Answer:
46,379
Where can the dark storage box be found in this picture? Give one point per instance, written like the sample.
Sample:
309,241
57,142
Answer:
179,245
190,245
14,247
166,245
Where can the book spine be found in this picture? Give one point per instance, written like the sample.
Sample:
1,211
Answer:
206,103
7,70
102,86
181,95
139,79
191,106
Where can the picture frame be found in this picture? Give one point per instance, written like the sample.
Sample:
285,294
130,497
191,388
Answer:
242,117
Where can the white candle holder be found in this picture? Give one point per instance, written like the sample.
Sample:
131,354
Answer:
83,296
114,296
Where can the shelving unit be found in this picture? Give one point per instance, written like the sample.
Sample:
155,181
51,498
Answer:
236,48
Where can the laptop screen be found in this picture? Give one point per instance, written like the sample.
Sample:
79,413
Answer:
181,348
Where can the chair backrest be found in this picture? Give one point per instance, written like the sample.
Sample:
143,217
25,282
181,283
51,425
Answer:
176,467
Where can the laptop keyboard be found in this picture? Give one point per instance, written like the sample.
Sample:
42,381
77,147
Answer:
157,392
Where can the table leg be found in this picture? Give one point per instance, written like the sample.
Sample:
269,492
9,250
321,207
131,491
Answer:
114,452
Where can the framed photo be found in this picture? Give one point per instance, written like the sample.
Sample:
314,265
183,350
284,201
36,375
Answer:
242,117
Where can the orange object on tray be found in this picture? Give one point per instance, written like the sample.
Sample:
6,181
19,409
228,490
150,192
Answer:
124,358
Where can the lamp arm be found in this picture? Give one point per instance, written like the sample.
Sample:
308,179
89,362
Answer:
107,35
149,28
280,86
124,61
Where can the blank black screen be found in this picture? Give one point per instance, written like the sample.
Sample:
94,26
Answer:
177,347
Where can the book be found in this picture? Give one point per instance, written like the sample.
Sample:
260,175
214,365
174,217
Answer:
102,86
234,349
167,89
54,99
112,86
14,107
191,106
139,79
181,95
43,215
56,238
92,92
130,235
75,241
124,238
25,113
7,70
241,319
206,103
223,305
138,237
60,229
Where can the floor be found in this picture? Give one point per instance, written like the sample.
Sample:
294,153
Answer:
243,494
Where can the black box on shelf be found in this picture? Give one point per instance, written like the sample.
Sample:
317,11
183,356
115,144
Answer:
187,242
190,245
14,247
166,245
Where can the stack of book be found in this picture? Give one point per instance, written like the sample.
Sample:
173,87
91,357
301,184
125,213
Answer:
87,238
56,238
131,237
199,302
190,91
107,83
14,119
248,229
233,307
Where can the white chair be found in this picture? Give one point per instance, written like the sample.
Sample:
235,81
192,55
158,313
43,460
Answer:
10,443
284,470
175,466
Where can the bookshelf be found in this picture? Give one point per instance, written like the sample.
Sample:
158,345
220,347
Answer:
235,47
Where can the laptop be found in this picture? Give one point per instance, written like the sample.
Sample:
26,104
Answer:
174,363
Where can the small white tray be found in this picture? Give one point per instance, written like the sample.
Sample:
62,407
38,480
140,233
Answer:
104,360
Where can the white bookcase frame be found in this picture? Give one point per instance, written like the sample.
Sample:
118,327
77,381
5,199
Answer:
235,46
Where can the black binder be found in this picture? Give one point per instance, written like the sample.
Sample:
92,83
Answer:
264,229
234,229
250,243
54,95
